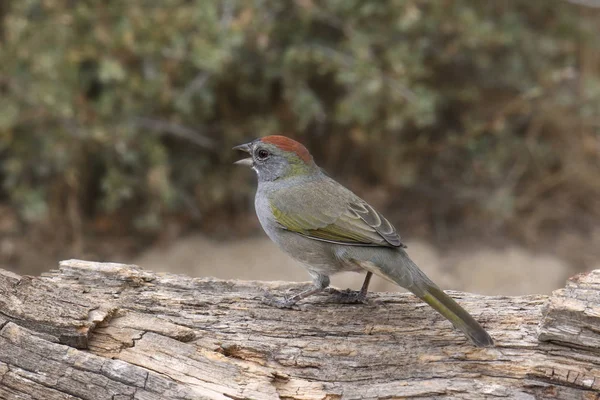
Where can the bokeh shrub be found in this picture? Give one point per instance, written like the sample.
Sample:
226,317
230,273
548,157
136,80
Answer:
130,108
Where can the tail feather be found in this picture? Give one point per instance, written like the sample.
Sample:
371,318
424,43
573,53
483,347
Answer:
460,318
404,272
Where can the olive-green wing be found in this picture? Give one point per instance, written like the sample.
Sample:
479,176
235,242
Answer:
325,210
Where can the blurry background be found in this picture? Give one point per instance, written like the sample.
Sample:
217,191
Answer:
473,126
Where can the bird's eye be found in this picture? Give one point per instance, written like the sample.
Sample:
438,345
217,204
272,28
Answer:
262,154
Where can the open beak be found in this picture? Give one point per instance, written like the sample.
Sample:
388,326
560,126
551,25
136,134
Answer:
245,161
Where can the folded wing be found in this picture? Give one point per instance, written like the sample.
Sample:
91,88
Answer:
339,216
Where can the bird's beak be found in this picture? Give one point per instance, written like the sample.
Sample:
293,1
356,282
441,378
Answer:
245,161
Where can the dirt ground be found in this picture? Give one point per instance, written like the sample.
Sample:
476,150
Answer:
488,268
508,271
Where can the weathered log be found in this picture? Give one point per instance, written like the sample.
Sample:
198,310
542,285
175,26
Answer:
113,331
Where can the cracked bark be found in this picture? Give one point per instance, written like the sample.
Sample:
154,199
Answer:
113,331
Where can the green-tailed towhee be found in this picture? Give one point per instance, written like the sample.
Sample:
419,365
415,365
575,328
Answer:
329,229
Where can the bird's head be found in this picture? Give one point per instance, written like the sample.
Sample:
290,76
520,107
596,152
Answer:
277,157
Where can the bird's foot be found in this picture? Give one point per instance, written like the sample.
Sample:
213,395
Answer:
272,301
347,296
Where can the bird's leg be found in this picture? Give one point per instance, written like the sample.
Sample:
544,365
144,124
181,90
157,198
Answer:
320,282
352,296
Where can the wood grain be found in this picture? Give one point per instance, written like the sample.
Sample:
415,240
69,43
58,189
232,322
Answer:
113,331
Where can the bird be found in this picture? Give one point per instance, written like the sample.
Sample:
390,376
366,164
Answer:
329,229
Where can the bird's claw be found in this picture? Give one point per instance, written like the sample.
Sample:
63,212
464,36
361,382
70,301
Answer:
347,296
272,301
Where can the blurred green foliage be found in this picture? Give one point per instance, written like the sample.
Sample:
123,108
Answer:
131,108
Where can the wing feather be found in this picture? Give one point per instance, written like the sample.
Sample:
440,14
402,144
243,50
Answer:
319,211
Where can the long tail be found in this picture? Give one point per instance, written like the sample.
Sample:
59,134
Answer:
461,319
412,278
